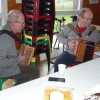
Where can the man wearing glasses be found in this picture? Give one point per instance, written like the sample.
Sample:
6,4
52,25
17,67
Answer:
68,37
9,56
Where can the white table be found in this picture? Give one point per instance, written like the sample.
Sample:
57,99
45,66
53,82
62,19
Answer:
82,78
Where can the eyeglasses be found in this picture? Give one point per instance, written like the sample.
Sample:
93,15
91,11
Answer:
20,22
88,19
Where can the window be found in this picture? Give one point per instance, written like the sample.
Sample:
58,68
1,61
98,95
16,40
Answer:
0,6
64,4
68,6
3,11
65,9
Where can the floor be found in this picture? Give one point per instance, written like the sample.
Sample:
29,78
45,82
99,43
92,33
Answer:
43,67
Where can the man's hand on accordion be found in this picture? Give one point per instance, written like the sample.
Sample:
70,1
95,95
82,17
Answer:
22,58
72,45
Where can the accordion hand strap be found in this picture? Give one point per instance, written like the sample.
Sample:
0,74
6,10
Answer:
74,29
92,29
12,35
77,32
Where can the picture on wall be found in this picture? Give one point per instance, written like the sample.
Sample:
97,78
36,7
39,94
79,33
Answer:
93,1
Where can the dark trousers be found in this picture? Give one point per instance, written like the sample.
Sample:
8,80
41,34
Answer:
27,73
65,58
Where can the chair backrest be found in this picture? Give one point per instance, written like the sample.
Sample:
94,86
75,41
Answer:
74,18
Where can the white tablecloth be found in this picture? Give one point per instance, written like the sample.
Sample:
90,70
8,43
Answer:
82,78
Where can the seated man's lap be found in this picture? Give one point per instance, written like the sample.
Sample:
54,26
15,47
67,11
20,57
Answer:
65,58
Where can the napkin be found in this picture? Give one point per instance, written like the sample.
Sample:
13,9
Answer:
96,89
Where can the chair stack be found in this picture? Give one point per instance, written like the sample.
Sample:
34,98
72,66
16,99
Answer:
39,24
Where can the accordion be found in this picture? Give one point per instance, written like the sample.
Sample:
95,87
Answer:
85,50
28,52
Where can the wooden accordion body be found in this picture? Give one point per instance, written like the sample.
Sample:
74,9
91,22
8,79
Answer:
85,50
28,52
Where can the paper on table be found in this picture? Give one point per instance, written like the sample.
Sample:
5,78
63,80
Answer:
96,89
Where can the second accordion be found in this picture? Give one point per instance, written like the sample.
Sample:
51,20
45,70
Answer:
85,50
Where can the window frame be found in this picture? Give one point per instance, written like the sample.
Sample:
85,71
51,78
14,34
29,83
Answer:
71,12
3,13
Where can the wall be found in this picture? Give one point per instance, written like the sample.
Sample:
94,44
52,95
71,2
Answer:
13,5
96,10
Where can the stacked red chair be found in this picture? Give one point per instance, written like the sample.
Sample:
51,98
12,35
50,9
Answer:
39,25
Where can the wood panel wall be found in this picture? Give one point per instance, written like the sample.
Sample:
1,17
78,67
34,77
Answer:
96,10
13,5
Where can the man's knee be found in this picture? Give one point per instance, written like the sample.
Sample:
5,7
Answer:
35,72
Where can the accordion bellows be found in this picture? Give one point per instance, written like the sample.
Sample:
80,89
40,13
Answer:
85,50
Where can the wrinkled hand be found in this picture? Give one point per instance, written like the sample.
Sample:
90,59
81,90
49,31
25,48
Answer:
22,58
72,45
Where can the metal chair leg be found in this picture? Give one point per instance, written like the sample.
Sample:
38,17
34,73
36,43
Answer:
55,43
